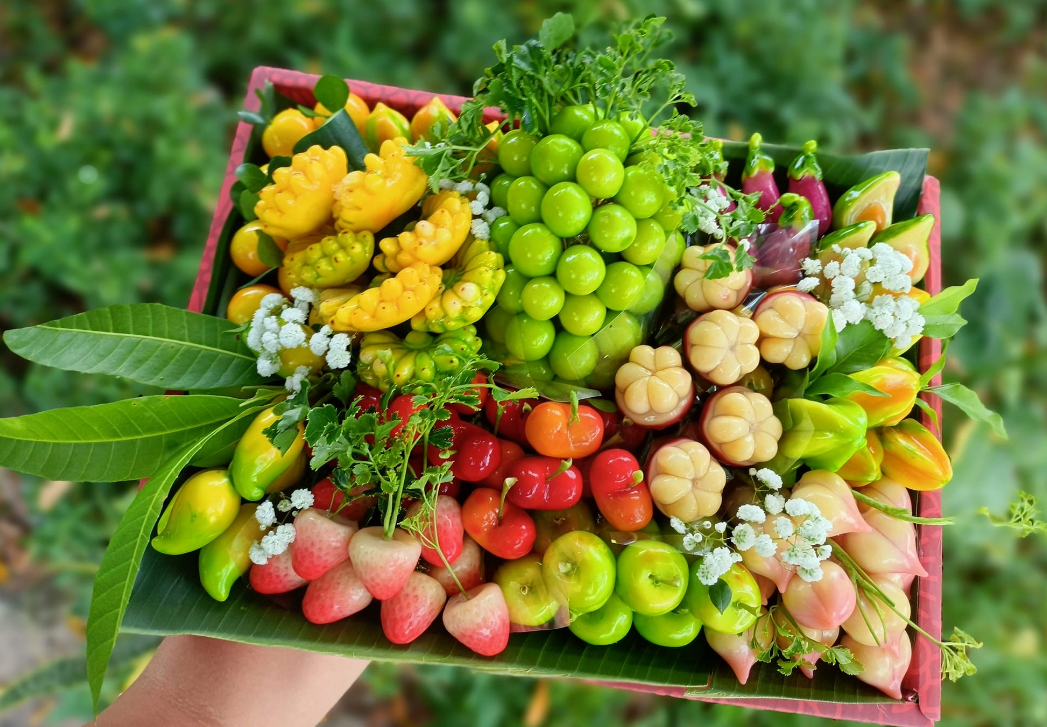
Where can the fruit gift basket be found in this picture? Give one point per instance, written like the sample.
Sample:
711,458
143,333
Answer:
540,382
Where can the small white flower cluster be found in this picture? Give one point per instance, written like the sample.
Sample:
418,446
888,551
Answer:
300,500
850,303
482,216
715,564
272,544
712,204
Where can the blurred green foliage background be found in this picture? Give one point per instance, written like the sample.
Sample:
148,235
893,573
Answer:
115,122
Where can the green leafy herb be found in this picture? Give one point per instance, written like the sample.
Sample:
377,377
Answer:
720,594
900,513
1024,516
940,313
251,175
859,347
291,412
968,402
332,92
833,385
788,645
268,251
935,368
246,204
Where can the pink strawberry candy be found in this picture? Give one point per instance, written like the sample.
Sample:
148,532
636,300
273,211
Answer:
408,614
468,567
449,529
384,565
479,619
276,576
321,542
335,595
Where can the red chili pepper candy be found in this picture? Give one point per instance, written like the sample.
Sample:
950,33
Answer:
502,529
616,479
544,483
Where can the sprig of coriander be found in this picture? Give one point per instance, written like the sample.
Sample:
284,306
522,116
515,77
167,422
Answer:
797,646
1023,517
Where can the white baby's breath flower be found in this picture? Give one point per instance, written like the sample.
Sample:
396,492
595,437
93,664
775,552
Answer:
807,285
483,197
811,266
798,507
292,335
853,311
265,515
715,564
784,527
720,527
319,341
751,513
815,529
768,477
481,189
302,294
257,554
271,342
338,354
271,324
811,575
824,552
744,537
764,546
493,214
301,499
268,365
863,291
830,270
293,383
774,504
480,229
690,542
271,302
839,319
476,207
284,505
446,184
464,187
677,524
850,267
292,315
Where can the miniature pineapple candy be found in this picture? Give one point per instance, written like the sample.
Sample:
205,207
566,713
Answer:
703,294
791,325
721,346
739,427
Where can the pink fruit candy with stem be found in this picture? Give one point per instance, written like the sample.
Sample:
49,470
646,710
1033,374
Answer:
409,613
769,567
902,580
479,619
885,666
335,595
468,567
449,530
826,637
890,545
873,627
767,587
276,576
737,650
824,604
834,499
321,542
384,564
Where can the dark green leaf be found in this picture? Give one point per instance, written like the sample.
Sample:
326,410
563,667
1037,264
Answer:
344,387
252,117
268,251
251,175
840,385
274,164
968,402
859,347
338,130
145,342
124,440
948,301
309,113
935,368
556,31
827,352
246,205
332,92
720,594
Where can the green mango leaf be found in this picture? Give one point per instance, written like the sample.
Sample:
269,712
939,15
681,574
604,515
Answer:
145,342
124,440
246,204
68,672
859,347
556,31
968,402
827,352
338,130
931,414
935,368
331,91
720,594
948,301
123,556
251,175
834,385
269,252
943,326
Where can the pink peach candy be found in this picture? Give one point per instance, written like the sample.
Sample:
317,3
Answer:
885,666
823,604
737,650
834,499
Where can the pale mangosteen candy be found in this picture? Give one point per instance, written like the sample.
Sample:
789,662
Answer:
652,388
823,604
834,499
791,325
721,346
685,481
884,667
702,294
739,427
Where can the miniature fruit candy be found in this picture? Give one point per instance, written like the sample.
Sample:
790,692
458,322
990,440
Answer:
201,510
411,611
607,625
895,377
300,197
337,594
864,465
417,357
246,301
885,666
739,427
685,481
890,547
554,430
333,261
914,457
321,542
385,124
276,576
871,199
805,179
479,619
623,498
477,453
226,558
448,530
243,249
758,176
674,629
285,130
745,603
579,571
651,577
551,524
468,568
835,502
501,528
434,240
430,122
652,388
781,252
526,595
702,294
383,564
823,604
470,283
355,107
394,301
790,326
256,462
873,622
823,435
721,346
737,649
545,483
911,238
370,199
